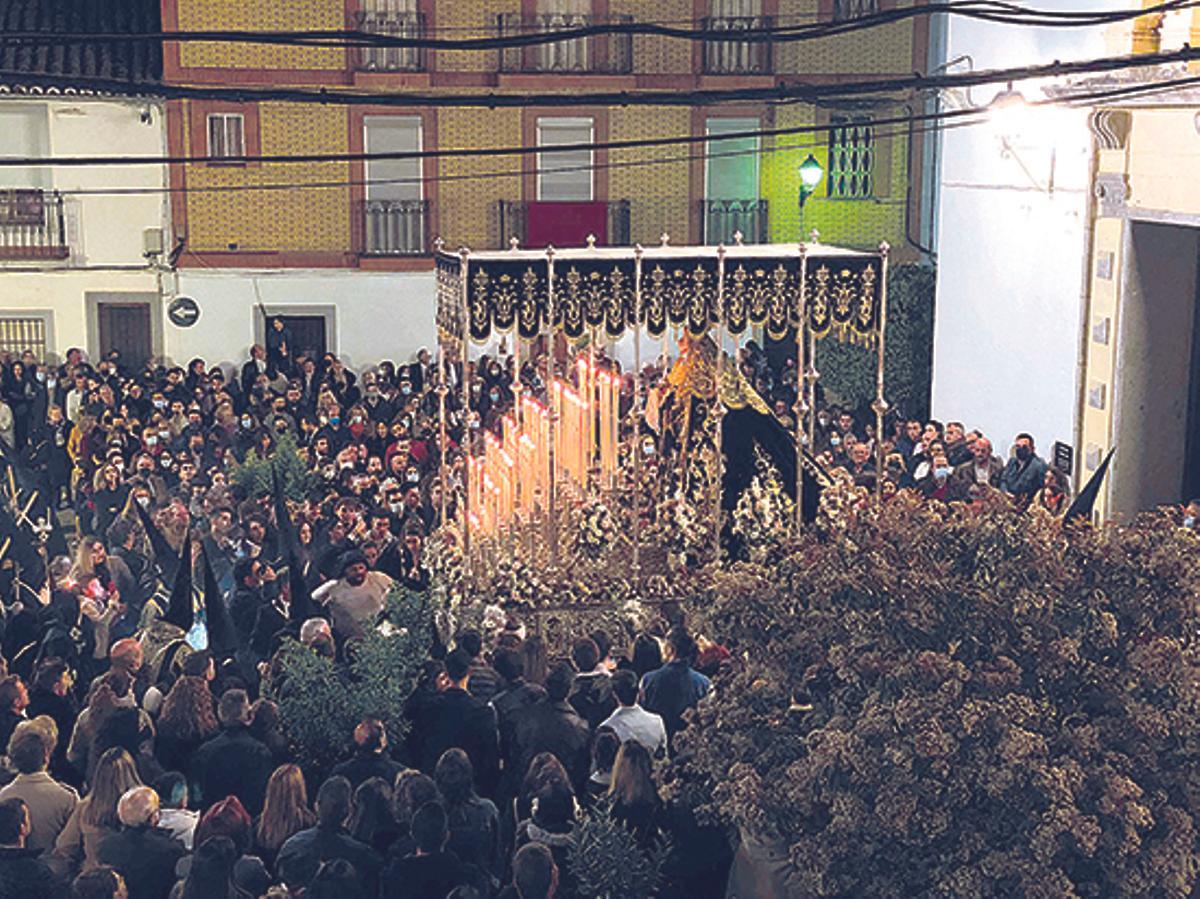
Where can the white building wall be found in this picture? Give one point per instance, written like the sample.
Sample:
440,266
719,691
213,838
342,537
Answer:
107,211
376,315
1011,226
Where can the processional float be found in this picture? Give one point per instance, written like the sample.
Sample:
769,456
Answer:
574,449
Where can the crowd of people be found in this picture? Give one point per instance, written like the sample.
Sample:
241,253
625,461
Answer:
139,767
131,771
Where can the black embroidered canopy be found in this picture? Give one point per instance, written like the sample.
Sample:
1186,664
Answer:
612,290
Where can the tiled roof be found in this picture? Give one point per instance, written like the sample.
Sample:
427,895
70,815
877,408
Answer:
134,61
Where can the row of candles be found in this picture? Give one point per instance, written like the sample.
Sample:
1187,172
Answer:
512,474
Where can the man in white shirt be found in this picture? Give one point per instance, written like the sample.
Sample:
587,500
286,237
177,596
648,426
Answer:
632,722
356,598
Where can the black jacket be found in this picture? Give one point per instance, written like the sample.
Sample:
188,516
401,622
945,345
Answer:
550,726
302,854
233,763
366,765
592,697
455,718
146,858
24,875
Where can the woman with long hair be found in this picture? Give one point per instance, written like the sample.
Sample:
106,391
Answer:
373,822
635,801
95,817
474,822
413,789
187,720
285,812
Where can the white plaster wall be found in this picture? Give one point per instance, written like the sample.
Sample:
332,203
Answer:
379,315
61,293
1010,244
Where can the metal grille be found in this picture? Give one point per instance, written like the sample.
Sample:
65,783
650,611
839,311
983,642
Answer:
20,334
845,10
851,158
737,57
608,53
32,225
395,227
724,218
392,23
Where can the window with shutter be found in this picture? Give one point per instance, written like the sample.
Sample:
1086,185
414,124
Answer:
226,135
565,175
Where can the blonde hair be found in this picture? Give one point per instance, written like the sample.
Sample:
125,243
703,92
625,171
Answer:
115,774
285,809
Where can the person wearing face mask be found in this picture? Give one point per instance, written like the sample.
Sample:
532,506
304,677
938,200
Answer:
50,457
1191,515
377,407
1025,472
936,484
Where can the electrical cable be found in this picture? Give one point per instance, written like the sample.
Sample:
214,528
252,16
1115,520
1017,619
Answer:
903,123
986,10
804,92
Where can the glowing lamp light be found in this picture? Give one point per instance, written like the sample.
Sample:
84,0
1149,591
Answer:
1008,111
810,175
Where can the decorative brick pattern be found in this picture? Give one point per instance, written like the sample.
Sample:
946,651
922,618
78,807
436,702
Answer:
312,219
261,15
653,55
468,206
658,194
472,19
884,50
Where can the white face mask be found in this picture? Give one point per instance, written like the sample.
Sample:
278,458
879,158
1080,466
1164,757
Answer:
143,501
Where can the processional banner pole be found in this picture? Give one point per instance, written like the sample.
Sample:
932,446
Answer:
718,408
804,402
636,440
552,489
465,286
880,405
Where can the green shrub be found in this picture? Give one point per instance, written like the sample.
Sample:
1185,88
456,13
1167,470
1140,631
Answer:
320,705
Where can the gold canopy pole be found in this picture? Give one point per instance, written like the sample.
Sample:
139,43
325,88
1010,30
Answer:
718,408
552,487
465,284
443,470
880,405
803,407
811,375
636,414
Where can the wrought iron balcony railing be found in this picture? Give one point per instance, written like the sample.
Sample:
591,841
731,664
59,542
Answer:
610,54
516,219
395,228
722,219
734,57
391,24
32,225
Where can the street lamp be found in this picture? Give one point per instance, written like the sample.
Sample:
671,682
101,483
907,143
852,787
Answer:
810,176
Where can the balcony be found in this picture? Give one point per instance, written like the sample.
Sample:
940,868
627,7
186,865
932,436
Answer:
32,225
389,59
734,57
566,224
394,228
602,54
721,219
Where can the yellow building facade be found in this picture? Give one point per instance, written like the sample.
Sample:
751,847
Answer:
375,215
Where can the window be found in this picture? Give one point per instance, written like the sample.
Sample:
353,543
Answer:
734,56
25,132
226,135
851,158
567,175
845,10
731,204
393,18
393,179
394,216
20,334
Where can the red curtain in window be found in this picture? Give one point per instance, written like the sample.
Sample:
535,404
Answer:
566,224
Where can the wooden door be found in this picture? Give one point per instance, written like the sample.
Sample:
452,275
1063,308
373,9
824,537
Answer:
126,328
308,334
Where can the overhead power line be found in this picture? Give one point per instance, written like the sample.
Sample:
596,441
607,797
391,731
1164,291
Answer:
828,94
908,125
986,10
